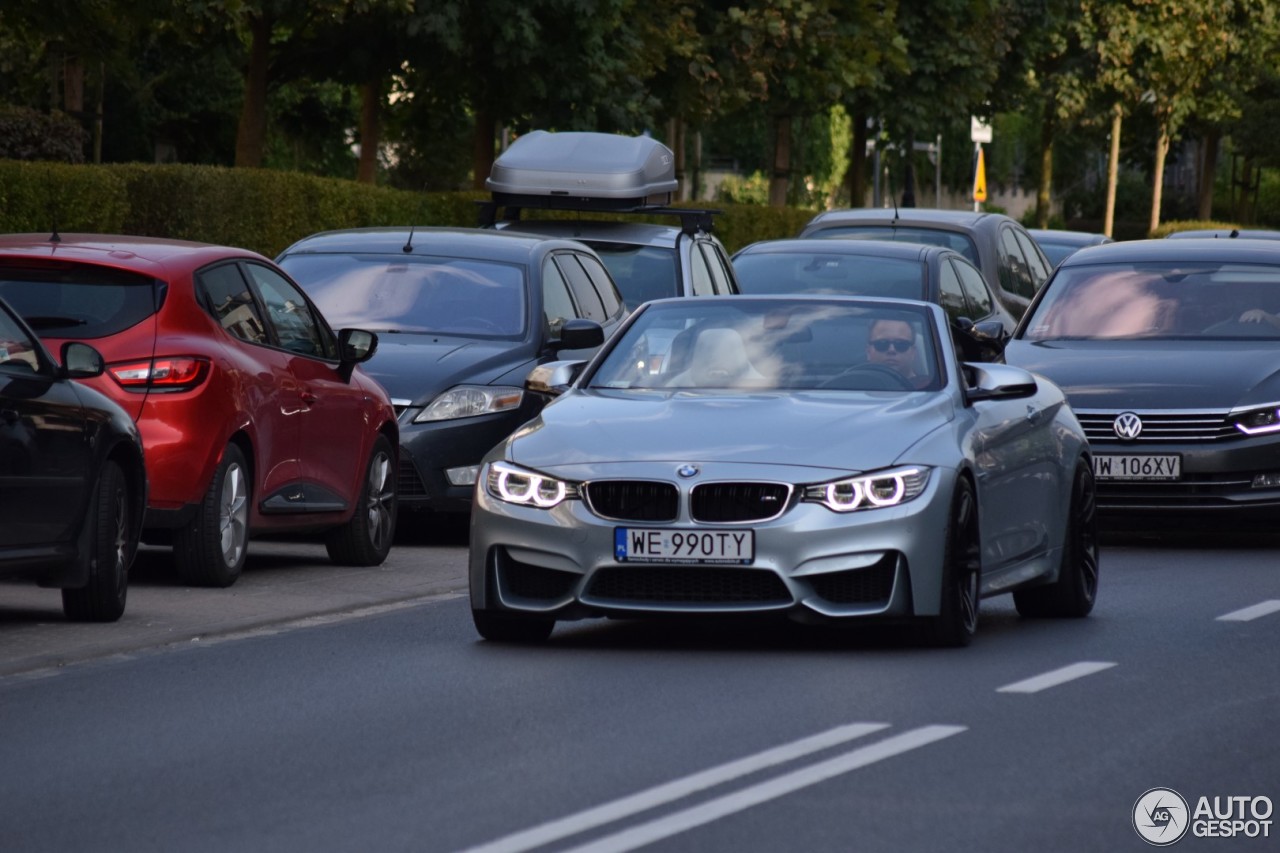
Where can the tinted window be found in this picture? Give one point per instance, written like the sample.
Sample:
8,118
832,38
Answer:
905,234
584,292
229,300
1015,274
806,272
557,305
77,301
976,291
640,272
950,294
716,263
1039,269
447,296
602,283
289,313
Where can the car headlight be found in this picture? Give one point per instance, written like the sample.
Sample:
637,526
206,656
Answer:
870,491
517,485
468,401
1258,421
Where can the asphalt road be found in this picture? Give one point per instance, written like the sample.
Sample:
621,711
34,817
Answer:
394,728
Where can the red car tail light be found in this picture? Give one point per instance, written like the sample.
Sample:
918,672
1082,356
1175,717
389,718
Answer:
180,373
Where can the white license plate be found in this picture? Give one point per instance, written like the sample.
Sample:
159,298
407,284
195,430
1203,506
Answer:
663,545
1137,467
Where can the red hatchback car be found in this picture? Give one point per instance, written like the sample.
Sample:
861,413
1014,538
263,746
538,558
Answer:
253,413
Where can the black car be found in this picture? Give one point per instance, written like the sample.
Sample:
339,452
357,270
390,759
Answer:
462,316
1169,352
1010,261
72,482
1059,244
980,323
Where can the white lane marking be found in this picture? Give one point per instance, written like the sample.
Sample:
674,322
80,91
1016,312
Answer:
665,827
1058,676
674,790
1266,608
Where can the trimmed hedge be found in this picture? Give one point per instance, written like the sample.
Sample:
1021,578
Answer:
266,210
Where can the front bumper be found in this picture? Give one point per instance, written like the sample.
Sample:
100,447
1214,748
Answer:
811,564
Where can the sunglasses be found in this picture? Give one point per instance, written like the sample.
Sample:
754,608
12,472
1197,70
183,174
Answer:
884,344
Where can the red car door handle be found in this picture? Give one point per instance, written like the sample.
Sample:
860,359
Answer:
309,398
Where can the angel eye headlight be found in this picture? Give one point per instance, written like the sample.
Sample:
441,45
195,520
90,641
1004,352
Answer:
517,485
1259,421
869,491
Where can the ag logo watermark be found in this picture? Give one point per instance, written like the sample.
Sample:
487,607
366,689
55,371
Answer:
1161,816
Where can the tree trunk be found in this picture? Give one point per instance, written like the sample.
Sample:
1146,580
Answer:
251,135
1113,172
675,141
1044,193
778,184
1208,173
857,178
1157,177
909,173
370,104
97,112
482,147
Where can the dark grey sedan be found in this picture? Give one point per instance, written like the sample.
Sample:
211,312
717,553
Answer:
980,324
1169,353
1006,254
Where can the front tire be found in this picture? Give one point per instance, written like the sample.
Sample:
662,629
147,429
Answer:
957,622
511,628
114,544
365,540
1072,595
211,550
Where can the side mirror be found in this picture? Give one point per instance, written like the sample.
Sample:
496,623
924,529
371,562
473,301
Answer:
81,361
580,334
998,382
356,345
554,377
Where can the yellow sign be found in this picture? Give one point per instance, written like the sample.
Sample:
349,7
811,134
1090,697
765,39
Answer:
980,179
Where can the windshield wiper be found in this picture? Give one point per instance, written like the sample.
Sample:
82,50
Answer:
54,322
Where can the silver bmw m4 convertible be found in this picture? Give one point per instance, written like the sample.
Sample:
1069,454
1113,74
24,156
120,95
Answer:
824,458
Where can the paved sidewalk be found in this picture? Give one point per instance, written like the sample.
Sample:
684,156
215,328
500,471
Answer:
284,581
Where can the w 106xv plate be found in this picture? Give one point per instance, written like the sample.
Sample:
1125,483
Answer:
1137,467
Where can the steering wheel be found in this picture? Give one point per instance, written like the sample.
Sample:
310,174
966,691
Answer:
869,377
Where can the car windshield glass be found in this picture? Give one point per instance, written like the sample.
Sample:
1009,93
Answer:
762,344
906,234
77,301
446,296
1172,300
812,272
641,272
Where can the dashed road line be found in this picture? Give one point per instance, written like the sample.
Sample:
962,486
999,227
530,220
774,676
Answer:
1247,614
1055,677
674,790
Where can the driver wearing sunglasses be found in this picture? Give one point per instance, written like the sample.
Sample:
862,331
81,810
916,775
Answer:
893,344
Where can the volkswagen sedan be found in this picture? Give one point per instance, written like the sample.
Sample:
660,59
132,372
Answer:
825,458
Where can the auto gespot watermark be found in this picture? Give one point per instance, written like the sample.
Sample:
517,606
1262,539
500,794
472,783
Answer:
1162,816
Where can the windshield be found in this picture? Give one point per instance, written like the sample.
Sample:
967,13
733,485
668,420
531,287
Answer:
906,234
1193,300
814,272
744,343
641,272
446,296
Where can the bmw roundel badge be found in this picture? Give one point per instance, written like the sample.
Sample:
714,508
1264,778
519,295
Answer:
687,471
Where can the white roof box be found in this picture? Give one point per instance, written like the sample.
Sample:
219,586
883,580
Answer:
604,171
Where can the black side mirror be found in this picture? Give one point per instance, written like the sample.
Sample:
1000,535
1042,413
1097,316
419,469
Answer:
81,361
580,334
356,345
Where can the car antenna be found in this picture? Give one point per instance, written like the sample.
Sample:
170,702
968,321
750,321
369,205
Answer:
893,197
55,237
408,243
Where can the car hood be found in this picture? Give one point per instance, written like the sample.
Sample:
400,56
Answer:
822,430
417,367
1155,374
